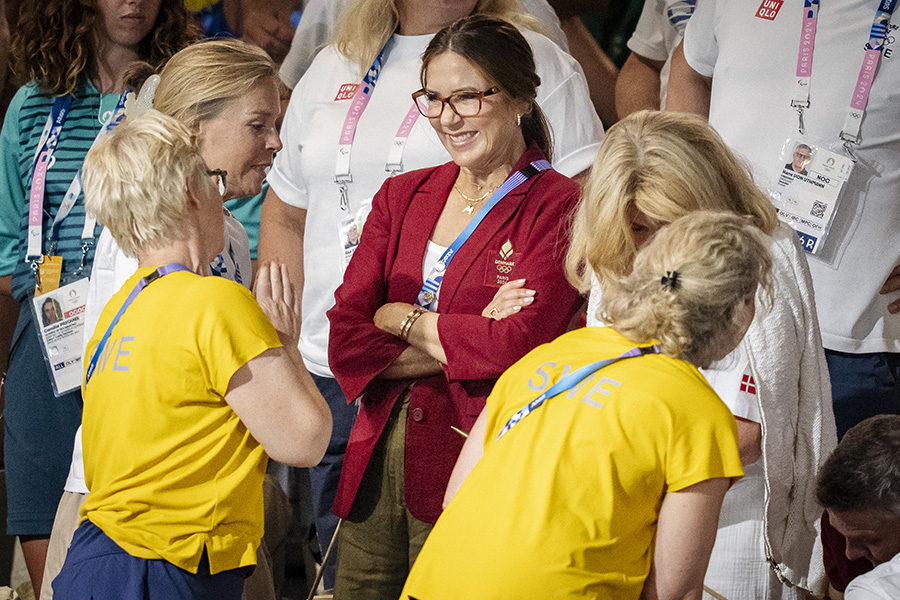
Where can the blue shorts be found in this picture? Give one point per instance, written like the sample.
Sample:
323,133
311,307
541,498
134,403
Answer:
97,568
39,434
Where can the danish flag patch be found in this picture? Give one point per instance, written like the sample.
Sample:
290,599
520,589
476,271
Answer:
748,385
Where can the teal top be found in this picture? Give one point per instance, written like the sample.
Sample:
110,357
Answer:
247,210
22,128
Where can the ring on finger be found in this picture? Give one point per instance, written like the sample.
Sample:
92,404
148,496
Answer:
494,312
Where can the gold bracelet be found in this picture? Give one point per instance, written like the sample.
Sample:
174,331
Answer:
407,323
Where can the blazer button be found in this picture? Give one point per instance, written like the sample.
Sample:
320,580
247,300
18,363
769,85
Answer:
418,414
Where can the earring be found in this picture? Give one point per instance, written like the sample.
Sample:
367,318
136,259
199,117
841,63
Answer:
518,120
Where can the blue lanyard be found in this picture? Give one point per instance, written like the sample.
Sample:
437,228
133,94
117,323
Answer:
58,115
879,31
570,381
143,283
432,286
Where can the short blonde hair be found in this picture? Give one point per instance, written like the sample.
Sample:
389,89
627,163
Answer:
665,165
198,81
135,180
367,25
717,259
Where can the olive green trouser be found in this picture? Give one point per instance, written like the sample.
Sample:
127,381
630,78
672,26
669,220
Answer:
380,540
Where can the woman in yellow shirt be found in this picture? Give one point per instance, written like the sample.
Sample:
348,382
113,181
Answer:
584,465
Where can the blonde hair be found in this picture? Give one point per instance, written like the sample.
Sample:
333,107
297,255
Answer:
366,25
716,260
198,81
665,165
135,180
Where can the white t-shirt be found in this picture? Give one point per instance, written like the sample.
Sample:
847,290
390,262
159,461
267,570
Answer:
881,583
303,173
320,19
753,61
730,377
658,32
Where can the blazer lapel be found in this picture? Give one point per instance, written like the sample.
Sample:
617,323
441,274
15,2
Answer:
424,209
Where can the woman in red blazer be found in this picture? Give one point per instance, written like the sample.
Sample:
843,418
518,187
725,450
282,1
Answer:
422,375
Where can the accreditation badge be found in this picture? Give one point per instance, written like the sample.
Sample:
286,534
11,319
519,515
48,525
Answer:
351,230
59,316
808,188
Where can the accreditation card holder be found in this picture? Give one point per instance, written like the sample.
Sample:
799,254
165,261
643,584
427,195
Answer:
808,188
351,230
59,316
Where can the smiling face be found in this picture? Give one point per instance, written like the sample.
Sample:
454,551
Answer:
125,22
487,141
243,139
871,534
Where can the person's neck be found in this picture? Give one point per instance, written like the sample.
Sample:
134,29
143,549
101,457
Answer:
491,176
181,252
112,62
415,21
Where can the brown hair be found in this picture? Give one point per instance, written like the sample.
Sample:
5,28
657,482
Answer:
53,44
863,472
502,55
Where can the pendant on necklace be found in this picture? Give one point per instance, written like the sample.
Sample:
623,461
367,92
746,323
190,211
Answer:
468,210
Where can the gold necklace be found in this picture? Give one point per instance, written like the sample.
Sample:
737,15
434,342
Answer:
472,201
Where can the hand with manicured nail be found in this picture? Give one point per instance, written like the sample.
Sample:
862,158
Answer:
509,299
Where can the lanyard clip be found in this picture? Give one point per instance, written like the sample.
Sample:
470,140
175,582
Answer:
342,181
34,271
848,148
801,127
849,141
393,169
86,245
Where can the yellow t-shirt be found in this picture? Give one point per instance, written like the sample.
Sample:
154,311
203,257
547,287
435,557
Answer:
565,504
171,468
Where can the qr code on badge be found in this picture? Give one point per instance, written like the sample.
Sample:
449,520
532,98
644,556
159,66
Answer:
818,209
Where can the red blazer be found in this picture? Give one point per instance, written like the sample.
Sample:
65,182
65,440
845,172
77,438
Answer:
387,267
